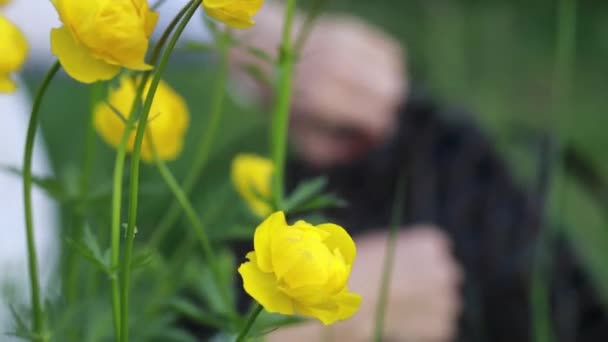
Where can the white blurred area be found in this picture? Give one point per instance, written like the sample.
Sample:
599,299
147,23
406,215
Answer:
14,111
36,18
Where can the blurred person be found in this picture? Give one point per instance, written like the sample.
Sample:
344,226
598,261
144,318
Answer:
465,251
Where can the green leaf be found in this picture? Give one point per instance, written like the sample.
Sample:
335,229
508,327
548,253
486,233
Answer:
207,288
322,202
268,322
177,335
584,223
197,314
89,249
261,54
21,328
305,192
50,185
257,74
142,259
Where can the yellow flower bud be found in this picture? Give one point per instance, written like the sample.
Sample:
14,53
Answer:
252,177
99,37
167,121
301,269
234,13
14,51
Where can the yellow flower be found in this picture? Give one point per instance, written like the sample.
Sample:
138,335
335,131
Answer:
14,51
99,37
301,269
252,177
234,13
167,121
4,2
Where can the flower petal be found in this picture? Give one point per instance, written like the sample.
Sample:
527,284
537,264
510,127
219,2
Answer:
348,303
263,287
235,19
6,84
341,240
77,61
217,3
150,17
262,239
342,307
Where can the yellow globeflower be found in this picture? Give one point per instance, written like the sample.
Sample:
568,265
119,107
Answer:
167,121
99,37
301,269
234,13
252,177
14,51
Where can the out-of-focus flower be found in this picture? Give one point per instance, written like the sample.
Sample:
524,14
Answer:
14,51
252,177
234,13
4,2
167,121
99,37
301,269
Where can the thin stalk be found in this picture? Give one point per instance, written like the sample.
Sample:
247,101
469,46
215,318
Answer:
189,210
204,146
543,330
250,320
280,116
199,228
37,314
119,171
134,183
316,8
119,165
389,257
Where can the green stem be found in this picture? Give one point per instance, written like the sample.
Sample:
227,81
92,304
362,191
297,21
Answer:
565,50
119,171
37,314
204,146
316,8
199,228
280,116
119,165
389,257
189,210
134,183
250,320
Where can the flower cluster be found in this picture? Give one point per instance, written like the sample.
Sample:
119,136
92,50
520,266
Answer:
99,37
14,52
166,126
302,269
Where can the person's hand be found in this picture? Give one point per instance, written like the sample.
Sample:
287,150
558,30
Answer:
349,81
423,302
